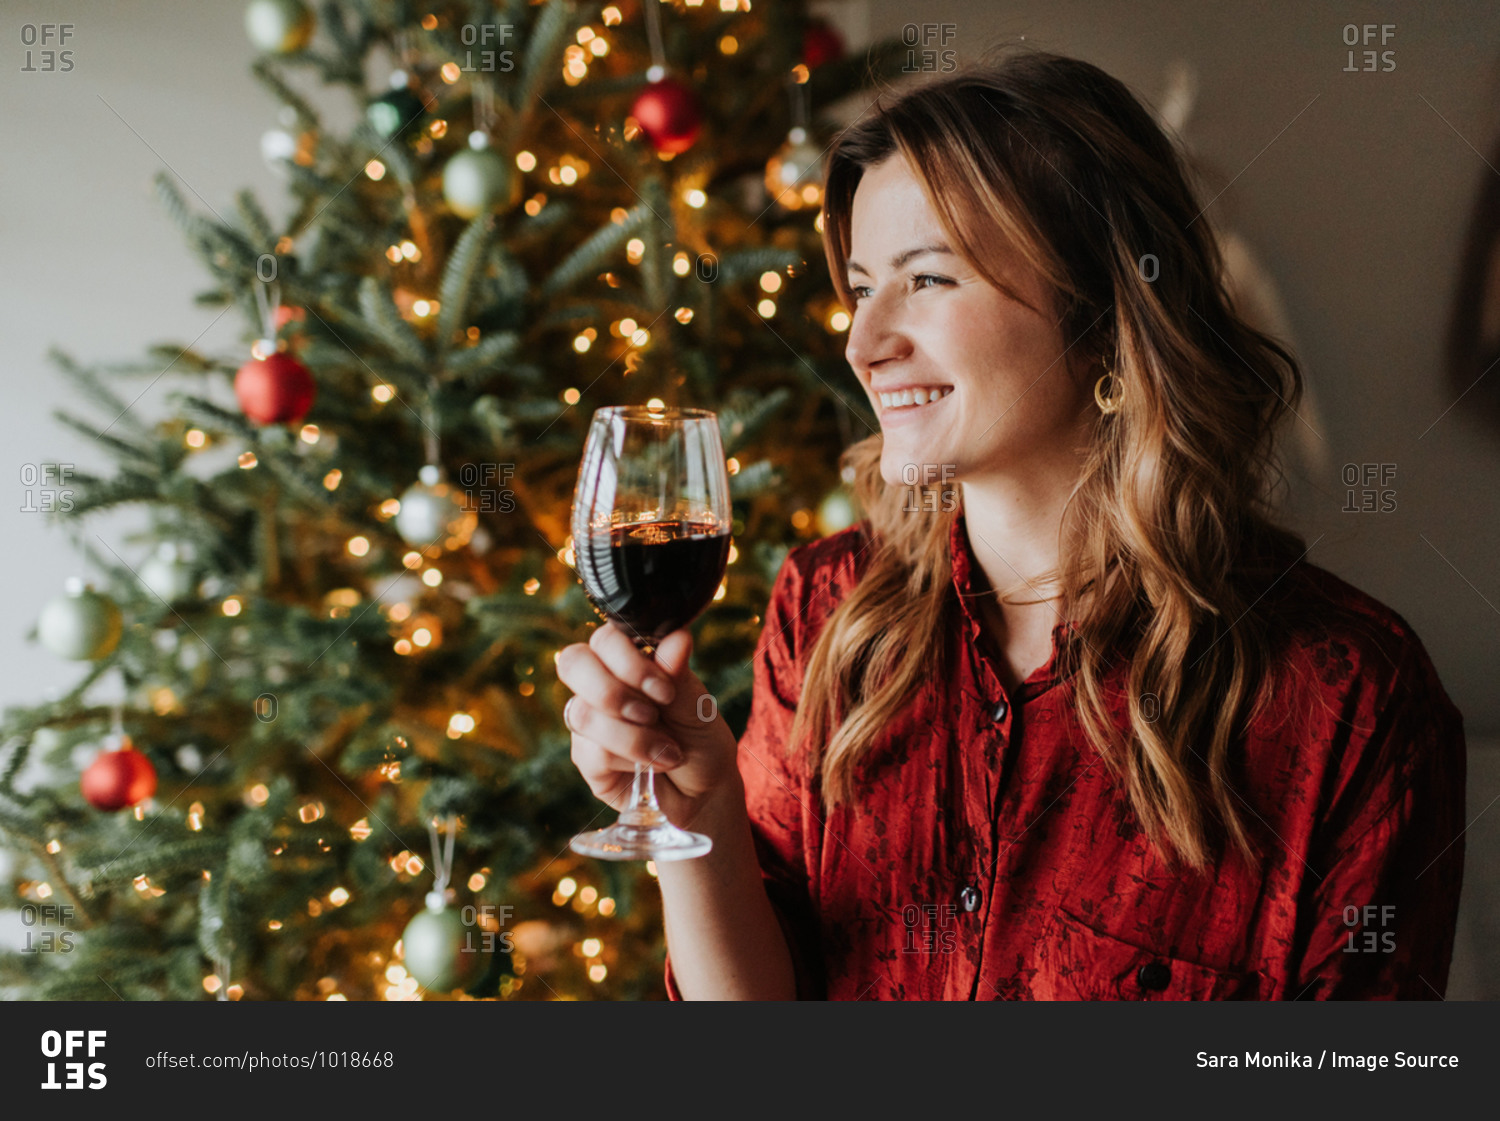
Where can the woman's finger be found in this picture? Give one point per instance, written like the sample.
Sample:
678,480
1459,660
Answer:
615,649
629,741
580,669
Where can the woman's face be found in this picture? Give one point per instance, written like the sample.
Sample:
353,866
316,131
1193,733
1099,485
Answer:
925,319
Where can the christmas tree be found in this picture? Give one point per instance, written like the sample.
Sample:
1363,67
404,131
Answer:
339,769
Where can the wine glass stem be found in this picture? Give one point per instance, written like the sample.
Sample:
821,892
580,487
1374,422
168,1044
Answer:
643,809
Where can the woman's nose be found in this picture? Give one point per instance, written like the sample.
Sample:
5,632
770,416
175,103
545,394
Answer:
873,337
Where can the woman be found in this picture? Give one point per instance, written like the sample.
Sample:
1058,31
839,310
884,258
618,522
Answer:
1069,715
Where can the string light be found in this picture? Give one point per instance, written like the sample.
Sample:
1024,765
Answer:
375,170
231,607
606,906
338,896
733,465
247,460
310,434
635,249
477,881
393,254
410,251
767,308
582,343
695,198
531,586
382,392
770,281
258,794
681,265
526,161
571,395
728,45
195,438
332,479
838,320
432,577
390,508
54,846
358,546
361,829
611,16
451,72
683,315
412,559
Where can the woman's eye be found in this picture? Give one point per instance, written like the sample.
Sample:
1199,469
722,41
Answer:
859,291
923,280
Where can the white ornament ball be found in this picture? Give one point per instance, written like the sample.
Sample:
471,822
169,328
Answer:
433,513
167,574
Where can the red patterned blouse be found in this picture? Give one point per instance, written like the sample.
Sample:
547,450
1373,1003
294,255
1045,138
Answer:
991,856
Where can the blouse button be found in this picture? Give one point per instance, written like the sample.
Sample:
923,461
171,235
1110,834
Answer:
1154,976
969,898
1000,710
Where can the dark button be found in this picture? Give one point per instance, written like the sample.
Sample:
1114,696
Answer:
969,898
1000,710
1154,975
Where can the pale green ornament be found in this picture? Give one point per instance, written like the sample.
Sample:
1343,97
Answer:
476,179
278,26
438,949
81,625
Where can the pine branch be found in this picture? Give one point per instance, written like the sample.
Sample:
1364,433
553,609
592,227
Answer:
590,256
265,72
458,277
381,316
548,32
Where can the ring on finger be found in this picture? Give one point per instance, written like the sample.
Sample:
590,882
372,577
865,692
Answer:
568,723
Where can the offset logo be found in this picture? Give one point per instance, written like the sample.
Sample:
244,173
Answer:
66,1045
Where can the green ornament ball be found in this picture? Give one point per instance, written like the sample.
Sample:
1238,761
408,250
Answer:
395,113
440,951
278,26
81,625
839,510
475,180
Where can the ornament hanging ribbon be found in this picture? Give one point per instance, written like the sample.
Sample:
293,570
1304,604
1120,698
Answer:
442,860
268,300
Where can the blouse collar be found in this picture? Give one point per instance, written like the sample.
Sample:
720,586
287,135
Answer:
969,583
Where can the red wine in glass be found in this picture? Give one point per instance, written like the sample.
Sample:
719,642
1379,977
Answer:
651,518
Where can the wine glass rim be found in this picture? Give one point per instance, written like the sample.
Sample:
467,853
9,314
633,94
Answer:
651,412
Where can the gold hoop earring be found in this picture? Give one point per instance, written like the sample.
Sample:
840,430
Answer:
1111,403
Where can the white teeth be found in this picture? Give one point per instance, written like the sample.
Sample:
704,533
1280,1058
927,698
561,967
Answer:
912,397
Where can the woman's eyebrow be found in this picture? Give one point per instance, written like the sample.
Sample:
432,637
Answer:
901,258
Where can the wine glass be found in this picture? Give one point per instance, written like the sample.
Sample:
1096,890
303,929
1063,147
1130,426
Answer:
651,520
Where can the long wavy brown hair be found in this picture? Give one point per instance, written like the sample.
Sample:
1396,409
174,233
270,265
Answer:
1169,539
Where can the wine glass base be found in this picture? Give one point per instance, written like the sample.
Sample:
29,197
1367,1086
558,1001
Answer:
658,842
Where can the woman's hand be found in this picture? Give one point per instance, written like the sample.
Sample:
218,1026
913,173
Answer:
628,708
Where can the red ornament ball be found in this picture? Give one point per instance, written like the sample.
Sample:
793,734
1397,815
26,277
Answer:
276,389
821,43
117,779
668,114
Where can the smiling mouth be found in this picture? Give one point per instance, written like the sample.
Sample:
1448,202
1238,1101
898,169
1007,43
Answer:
914,398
